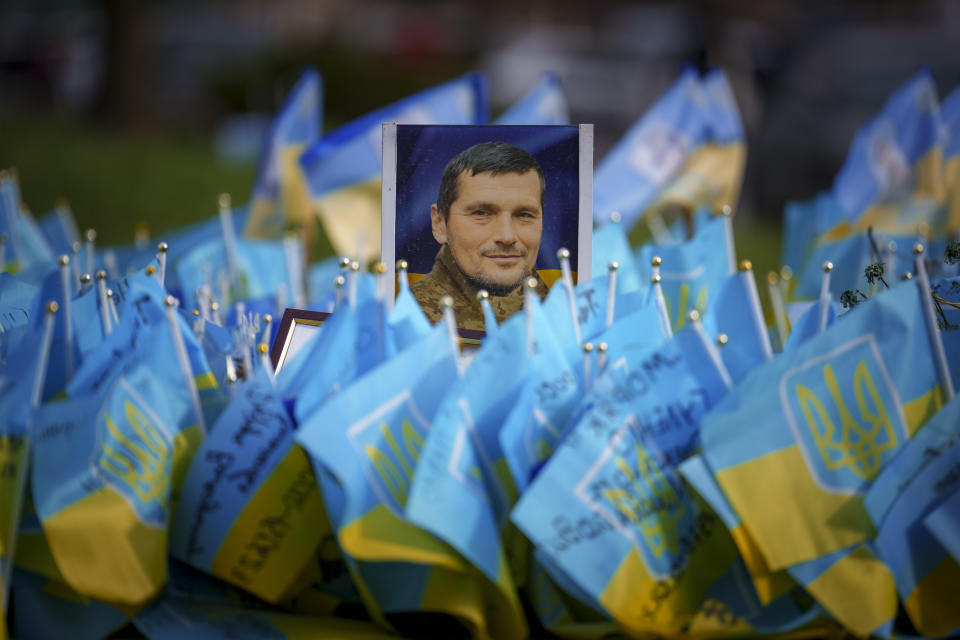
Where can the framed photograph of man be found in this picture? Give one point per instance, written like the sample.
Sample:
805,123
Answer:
473,208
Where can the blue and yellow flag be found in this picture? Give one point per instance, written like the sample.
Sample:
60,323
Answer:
920,479
692,271
249,510
545,103
462,490
611,511
103,476
803,223
950,112
549,393
610,244
713,174
370,445
895,157
262,269
343,168
795,464
279,199
652,152
735,312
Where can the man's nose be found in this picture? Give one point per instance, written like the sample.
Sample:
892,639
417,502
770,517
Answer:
504,231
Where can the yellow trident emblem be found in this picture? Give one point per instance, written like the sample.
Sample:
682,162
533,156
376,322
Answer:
857,444
654,503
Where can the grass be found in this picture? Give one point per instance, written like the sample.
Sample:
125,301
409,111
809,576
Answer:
114,180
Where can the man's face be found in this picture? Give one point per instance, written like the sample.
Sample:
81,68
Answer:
494,226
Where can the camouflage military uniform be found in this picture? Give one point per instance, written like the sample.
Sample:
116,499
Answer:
446,279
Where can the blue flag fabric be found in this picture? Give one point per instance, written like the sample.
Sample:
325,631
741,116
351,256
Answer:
246,472
349,346
545,103
611,511
113,452
652,152
943,523
868,378
279,198
60,229
610,244
803,223
693,271
948,319
883,164
921,478
406,323
261,265
735,312
461,489
552,389
342,169
808,324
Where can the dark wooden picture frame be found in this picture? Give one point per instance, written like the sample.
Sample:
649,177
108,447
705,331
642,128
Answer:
292,319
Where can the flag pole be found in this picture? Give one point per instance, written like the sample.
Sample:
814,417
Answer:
3,251
933,333
113,307
566,278
756,312
229,239
658,298
36,395
587,354
402,278
824,296
75,261
102,298
602,357
162,259
384,301
65,289
489,319
712,353
446,305
611,291
294,259
264,352
353,277
91,239
338,284
779,311
529,300
184,362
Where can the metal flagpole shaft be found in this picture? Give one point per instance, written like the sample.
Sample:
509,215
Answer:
611,291
184,362
824,297
66,290
566,278
446,304
102,298
756,312
36,395
714,355
933,333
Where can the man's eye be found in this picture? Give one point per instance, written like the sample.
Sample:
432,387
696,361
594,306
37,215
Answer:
480,212
525,214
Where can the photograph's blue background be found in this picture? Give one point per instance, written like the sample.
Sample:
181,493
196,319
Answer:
424,151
